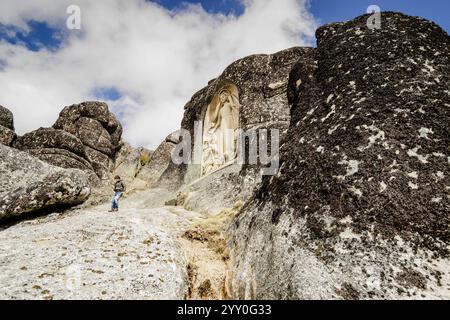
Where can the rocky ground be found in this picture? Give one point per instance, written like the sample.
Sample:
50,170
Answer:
141,252
144,251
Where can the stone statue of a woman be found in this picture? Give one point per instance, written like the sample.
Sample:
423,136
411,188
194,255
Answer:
220,131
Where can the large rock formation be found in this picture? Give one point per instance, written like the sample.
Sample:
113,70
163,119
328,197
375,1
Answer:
29,185
99,131
360,207
7,134
57,147
253,90
142,168
86,136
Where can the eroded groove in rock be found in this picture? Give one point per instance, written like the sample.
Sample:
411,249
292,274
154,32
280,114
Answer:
208,259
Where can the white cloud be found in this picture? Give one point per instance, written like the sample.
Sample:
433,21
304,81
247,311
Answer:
156,58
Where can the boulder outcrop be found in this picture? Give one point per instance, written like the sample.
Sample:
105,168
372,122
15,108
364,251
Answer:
58,148
86,136
29,185
360,207
261,81
141,168
99,131
7,134
255,88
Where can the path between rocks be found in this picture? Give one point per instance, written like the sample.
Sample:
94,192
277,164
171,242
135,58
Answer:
90,253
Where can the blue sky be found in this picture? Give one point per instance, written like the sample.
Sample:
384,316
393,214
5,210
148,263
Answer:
41,35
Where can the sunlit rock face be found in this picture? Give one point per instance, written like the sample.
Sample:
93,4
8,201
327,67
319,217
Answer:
57,147
159,161
249,94
7,134
87,254
360,207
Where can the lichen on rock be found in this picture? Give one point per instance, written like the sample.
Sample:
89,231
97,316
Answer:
341,212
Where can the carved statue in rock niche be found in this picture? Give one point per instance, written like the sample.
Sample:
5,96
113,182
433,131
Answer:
220,130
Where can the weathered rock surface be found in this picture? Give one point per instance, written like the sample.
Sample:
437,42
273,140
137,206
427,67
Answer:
219,190
86,136
93,254
78,119
360,207
160,160
7,134
29,185
129,163
262,82
51,138
98,130
6,118
58,148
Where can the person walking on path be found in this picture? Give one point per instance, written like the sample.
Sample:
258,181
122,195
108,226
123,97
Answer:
119,189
